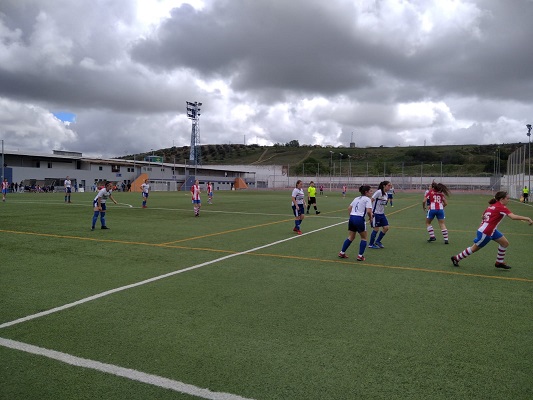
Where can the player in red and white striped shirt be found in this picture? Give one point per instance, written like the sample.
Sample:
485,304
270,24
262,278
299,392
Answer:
195,195
437,201
488,230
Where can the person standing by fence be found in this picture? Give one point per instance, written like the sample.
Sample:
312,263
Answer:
525,194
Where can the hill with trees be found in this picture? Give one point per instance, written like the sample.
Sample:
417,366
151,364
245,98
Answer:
311,160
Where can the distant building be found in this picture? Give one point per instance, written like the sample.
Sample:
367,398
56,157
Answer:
51,169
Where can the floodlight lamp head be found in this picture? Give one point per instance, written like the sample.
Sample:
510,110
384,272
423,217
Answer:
528,126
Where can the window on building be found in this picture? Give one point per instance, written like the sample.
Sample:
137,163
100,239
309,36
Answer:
100,168
49,165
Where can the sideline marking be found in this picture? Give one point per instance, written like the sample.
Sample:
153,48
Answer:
128,373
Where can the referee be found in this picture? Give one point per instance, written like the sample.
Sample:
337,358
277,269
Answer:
311,197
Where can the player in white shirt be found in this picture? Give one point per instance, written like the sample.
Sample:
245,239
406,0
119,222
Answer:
145,189
379,199
359,208
298,206
99,204
68,189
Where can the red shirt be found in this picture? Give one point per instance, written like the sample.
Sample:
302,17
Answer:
492,216
195,192
436,200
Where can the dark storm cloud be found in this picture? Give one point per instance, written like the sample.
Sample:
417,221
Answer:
298,46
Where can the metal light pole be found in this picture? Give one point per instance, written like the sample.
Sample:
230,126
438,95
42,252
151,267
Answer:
193,113
528,126
350,171
340,164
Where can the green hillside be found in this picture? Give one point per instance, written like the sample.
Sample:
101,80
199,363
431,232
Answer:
448,160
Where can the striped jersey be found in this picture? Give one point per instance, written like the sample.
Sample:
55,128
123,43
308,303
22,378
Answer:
436,200
492,216
195,192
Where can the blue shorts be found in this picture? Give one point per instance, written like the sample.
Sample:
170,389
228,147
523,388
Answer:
435,213
4,191
210,194
482,239
298,212
68,190
196,201
145,195
95,204
379,220
389,196
356,224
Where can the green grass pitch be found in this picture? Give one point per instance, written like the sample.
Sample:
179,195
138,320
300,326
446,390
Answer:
234,305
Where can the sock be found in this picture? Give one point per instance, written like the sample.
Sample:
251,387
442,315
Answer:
431,231
445,234
362,247
345,245
373,237
465,253
65,199
380,236
102,218
308,207
95,218
144,203
501,254
316,209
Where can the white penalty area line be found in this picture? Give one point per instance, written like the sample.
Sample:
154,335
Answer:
154,279
128,373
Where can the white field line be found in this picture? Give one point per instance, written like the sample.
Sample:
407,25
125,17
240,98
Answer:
156,278
128,373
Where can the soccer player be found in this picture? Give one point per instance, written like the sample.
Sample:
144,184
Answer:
298,206
437,201
488,230
390,195
209,192
311,197
359,208
344,190
145,189
195,195
5,188
99,204
68,189
379,200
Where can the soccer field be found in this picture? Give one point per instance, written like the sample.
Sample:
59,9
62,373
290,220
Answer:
234,305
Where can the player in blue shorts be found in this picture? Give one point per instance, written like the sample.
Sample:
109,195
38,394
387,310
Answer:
379,199
359,208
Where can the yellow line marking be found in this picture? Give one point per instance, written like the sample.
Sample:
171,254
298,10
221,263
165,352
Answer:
224,232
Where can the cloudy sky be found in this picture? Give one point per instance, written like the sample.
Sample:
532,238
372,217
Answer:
111,77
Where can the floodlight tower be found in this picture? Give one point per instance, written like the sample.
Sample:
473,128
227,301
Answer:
193,113
528,126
